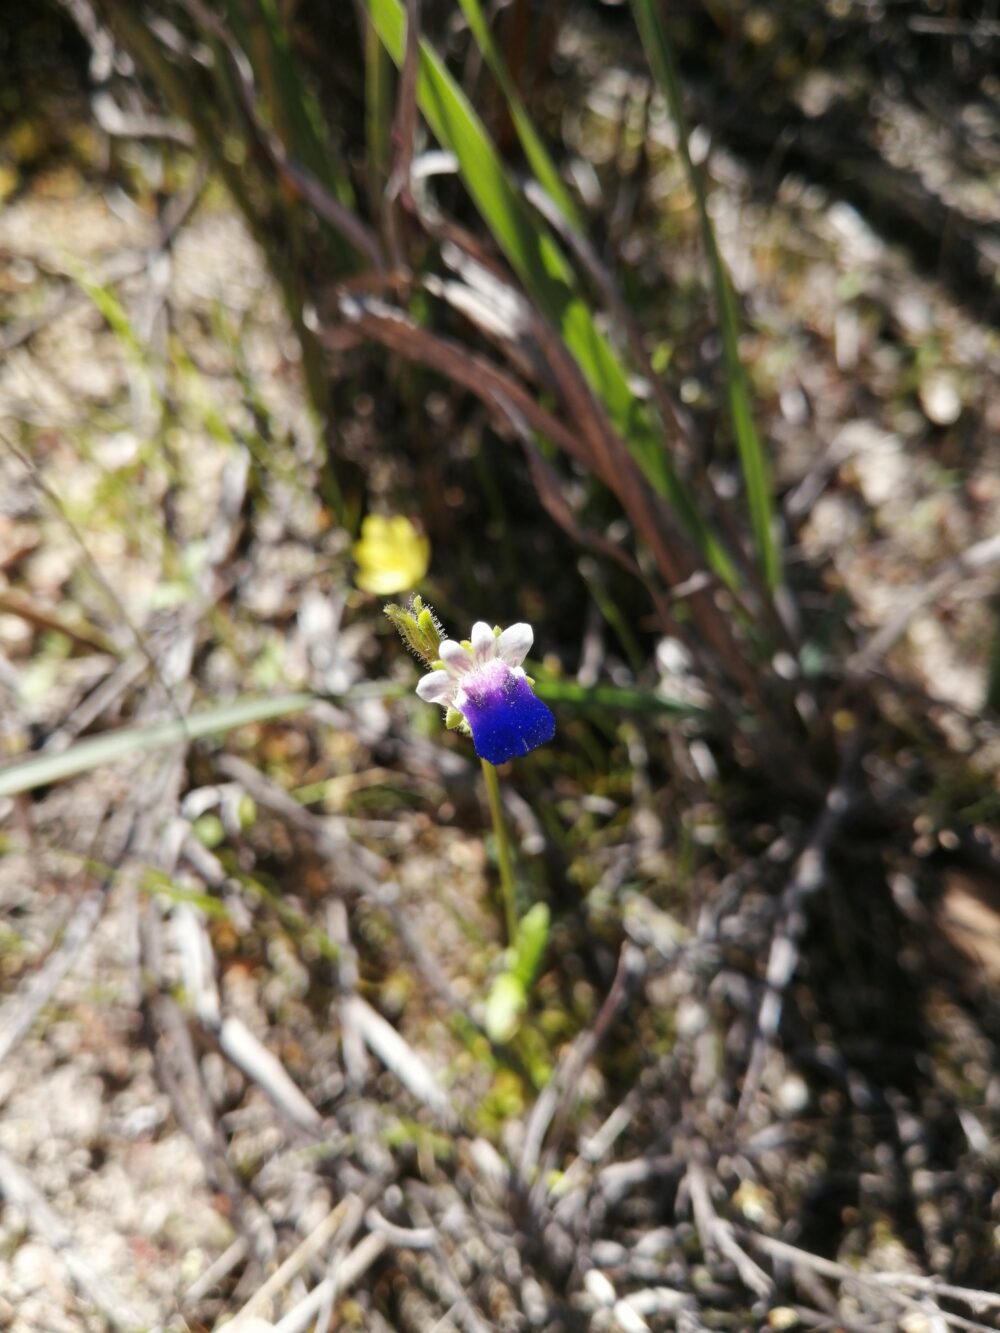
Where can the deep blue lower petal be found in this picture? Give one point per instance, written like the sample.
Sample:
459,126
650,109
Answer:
507,720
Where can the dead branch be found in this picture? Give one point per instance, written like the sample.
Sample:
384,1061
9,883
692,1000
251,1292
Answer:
718,1235
349,1271
808,878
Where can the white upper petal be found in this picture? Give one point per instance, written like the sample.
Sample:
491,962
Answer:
455,657
514,643
436,688
484,643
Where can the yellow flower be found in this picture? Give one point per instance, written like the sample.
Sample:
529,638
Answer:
391,555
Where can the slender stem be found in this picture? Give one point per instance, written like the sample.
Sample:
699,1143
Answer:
503,850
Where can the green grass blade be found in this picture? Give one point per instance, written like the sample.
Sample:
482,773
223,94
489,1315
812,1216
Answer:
537,260
753,459
288,103
534,149
378,115
38,770
612,698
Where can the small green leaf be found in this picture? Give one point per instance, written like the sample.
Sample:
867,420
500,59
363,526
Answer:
532,938
505,1006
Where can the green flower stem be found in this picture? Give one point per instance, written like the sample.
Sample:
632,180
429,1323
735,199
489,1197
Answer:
503,851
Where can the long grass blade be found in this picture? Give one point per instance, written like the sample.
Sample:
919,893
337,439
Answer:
753,459
296,104
535,256
38,770
613,698
378,115
535,151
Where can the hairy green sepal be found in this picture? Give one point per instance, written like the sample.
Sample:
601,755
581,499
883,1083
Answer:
418,627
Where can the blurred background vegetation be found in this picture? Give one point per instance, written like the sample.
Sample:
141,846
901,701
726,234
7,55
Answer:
668,329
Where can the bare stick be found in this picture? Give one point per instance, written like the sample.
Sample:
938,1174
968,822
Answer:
179,1074
397,1055
882,1283
977,1301
101,697
977,559
353,1267
401,1238
239,1045
717,1234
345,1219
19,1012
552,1103
216,1271
808,877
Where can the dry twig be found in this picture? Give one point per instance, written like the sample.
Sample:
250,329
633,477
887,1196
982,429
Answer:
717,1234
808,877
341,1223
883,1285
398,1055
978,559
349,1271
20,1011
554,1100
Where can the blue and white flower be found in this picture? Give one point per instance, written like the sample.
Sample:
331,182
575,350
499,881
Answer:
485,682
